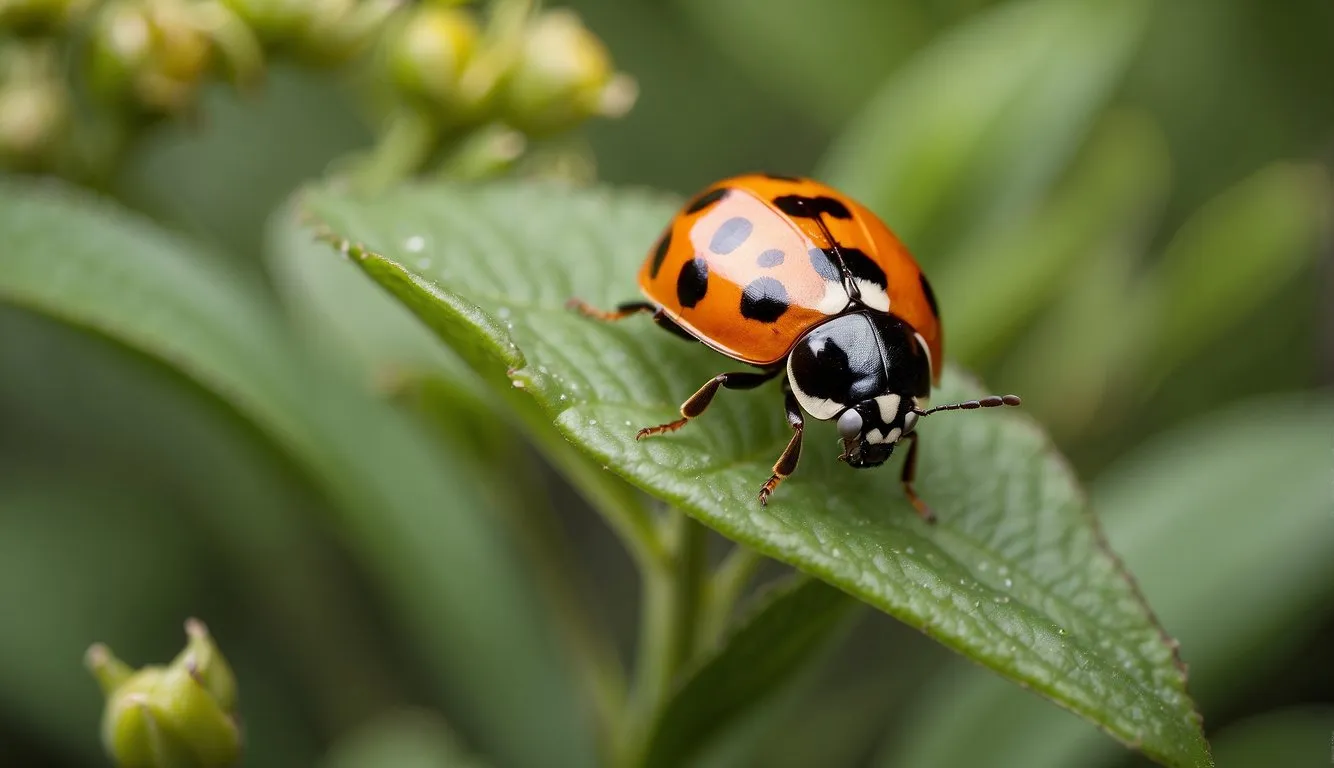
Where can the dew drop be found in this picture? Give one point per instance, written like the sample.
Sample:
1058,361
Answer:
909,550
983,566
628,424
518,384
503,313
1060,631
414,243
977,603
1009,583
592,422
562,397
423,263
1003,570
836,552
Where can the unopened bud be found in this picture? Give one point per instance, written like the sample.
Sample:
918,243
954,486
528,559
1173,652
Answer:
155,54
40,15
428,54
178,716
563,76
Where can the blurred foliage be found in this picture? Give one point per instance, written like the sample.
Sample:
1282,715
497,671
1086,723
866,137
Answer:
1124,207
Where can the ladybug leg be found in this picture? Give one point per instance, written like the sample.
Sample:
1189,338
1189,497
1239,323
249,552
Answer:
700,400
667,323
787,461
628,309
909,474
621,312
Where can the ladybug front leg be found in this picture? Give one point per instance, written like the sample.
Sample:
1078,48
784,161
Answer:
909,474
700,400
787,461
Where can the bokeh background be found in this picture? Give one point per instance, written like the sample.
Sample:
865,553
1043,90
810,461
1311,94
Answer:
1125,214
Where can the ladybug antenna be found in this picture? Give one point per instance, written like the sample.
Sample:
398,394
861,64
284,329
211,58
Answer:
994,401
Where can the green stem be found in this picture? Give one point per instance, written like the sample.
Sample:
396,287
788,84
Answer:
668,623
406,145
724,590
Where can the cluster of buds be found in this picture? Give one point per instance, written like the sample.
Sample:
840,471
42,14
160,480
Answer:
182,715
540,73
507,72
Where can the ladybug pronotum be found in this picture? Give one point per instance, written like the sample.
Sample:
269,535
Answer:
789,275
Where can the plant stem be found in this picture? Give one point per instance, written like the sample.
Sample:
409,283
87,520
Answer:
724,590
669,619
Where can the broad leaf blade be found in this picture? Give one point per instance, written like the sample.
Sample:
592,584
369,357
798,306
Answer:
1014,576
1205,519
404,502
767,649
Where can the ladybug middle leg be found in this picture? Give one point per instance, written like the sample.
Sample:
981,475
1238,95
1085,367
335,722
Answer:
694,406
787,461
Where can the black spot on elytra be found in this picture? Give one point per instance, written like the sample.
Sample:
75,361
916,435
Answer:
693,282
730,235
707,199
660,253
803,207
770,258
781,177
930,295
764,299
862,267
824,265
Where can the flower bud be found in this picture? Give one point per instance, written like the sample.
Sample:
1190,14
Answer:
178,716
428,53
155,54
320,32
562,77
34,107
45,16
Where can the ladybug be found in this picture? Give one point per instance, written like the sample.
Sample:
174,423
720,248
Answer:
789,275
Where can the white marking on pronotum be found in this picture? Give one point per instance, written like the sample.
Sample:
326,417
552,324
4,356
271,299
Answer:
821,408
835,299
889,407
873,295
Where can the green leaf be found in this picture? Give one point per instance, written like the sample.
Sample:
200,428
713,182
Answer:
1014,575
1229,258
972,132
1254,480
418,522
766,650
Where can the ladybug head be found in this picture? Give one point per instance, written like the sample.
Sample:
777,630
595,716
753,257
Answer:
871,429
867,370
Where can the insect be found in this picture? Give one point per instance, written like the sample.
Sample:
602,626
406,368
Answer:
789,275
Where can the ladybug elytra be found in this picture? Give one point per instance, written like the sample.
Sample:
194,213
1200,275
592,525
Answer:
789,275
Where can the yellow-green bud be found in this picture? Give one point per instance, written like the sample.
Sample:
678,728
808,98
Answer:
155,54
323,32
428,53
178,716
40,15
33,117
563,76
